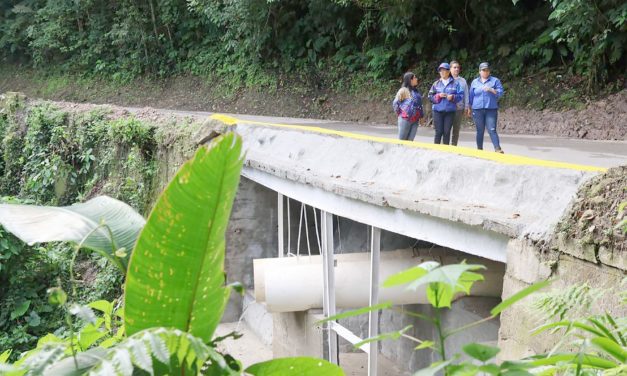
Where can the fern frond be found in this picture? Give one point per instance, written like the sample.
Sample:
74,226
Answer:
149,348
46,356
573,302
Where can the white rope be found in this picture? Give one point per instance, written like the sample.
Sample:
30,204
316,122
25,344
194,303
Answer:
300,225
307,232
317,232
289,228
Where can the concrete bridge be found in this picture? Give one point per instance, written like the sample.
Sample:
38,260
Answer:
326,210
360,193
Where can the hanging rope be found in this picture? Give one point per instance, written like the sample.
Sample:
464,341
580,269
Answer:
317,232
307,232
300,225
289,228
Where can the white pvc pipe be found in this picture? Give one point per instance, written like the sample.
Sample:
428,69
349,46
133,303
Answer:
296,284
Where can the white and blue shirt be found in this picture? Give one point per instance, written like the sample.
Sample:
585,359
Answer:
480,99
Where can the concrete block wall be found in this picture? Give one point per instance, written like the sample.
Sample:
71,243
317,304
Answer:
251,234
568,264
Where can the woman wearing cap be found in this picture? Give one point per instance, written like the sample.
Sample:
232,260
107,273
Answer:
408,108
484,95
444,95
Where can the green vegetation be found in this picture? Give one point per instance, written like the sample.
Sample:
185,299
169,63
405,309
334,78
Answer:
51,157
589,344
248,41
172,302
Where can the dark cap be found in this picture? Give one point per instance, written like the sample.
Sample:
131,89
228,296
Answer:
484,65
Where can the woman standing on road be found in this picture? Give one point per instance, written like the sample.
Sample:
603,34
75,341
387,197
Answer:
444,95
408,109
485,92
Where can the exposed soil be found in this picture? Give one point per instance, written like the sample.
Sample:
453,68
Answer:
595,216
603,119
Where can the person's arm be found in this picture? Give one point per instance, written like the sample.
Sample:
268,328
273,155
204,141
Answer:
471,95
432,95
498,88
466,100
459,93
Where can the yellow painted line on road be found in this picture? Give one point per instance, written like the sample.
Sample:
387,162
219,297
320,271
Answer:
459,150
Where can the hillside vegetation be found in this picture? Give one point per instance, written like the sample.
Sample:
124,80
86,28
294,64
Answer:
251,42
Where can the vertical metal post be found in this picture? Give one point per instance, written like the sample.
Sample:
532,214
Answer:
280,218
328,293
373,316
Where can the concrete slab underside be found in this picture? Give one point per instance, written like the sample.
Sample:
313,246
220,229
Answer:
456,235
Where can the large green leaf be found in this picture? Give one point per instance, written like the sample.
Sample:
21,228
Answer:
587,360
356,312
300,366
91,223
405,276
481,352
176,274
519,296
611,348
444,281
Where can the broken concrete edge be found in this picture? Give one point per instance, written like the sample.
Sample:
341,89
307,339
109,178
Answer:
516,196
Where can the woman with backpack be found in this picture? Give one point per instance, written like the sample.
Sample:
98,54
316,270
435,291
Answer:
444,94
408,107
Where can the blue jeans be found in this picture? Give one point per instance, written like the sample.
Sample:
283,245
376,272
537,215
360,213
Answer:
406,130
443,122
485,118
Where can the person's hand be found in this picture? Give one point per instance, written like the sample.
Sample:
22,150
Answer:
449,97
468,112
422,121
485,88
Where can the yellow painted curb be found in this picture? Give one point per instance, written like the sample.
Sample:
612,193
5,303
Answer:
468,152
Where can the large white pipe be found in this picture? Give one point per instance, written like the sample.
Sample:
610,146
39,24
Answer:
295,283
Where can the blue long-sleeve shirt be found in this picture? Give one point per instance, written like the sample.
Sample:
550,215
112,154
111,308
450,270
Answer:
480,99
449,87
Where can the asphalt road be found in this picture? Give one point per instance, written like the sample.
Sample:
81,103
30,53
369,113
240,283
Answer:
585,152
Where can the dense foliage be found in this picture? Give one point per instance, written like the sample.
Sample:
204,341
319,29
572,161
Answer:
124,39
41,164
175,291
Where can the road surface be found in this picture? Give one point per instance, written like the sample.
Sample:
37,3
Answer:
576,151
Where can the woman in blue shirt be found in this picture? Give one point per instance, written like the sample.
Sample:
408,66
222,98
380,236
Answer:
485,92
444,94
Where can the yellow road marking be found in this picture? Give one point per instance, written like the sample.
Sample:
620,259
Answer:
459,150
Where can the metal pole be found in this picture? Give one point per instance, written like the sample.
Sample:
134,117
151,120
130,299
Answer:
328,292
373,316
280,218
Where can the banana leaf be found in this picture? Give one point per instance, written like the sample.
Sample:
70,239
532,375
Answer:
176,274
102,224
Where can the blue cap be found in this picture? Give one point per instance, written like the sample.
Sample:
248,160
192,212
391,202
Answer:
444,66
484,65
